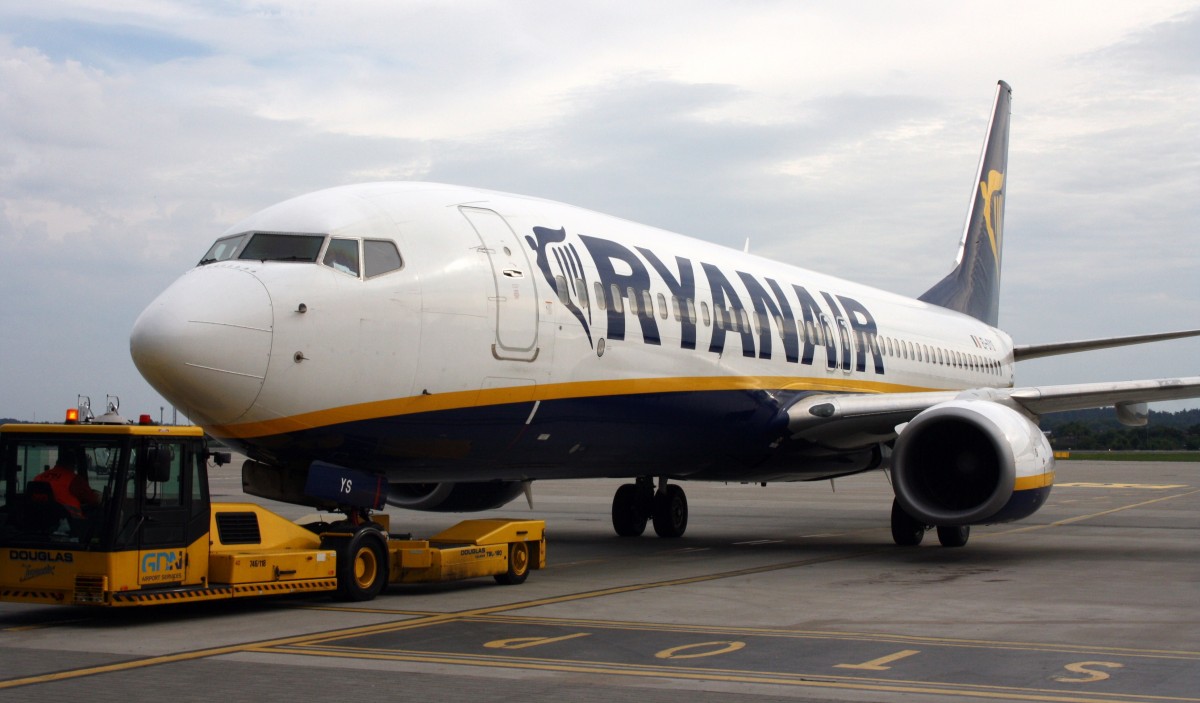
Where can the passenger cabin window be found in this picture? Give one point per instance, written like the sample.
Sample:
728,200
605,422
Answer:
564,295
616,299
720,317
342,255
380,256
270,246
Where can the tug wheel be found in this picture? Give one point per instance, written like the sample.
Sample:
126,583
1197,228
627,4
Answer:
362,566
518,565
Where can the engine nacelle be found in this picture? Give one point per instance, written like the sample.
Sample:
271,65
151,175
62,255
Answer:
971,462
453,497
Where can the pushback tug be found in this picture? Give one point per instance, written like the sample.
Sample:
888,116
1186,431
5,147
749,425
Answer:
147,533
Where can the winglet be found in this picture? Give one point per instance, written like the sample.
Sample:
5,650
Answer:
973,287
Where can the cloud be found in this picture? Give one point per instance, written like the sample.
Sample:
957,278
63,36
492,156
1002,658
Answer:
843,140
721,180
1164,47
103,44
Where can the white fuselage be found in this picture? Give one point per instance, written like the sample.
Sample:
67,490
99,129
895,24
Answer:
523,338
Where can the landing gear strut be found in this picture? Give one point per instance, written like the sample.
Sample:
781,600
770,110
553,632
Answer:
635,504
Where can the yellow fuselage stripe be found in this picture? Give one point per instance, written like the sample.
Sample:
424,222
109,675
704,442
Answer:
553,391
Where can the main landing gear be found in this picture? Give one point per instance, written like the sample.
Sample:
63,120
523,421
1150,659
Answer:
907,531
635,504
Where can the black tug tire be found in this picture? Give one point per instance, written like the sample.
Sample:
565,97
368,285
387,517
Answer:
670,512
362,567
518,565
906,530
953,536
628,516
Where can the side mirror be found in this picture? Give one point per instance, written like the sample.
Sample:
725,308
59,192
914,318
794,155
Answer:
158,463
221,458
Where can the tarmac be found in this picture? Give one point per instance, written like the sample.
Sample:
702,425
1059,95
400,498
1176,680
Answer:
784,592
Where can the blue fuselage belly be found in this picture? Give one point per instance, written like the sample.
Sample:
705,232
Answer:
738,435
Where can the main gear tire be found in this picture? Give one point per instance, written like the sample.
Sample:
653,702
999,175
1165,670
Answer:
670,512
907,531
953,535
628,515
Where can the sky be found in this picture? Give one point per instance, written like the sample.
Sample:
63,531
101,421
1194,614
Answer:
841,137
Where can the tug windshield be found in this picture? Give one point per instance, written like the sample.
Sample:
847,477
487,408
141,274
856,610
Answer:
57,493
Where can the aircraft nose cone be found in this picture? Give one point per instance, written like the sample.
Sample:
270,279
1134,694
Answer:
204,343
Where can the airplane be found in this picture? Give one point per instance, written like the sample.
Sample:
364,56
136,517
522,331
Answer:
455,344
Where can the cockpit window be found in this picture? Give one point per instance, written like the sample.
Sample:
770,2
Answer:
342,255
224,248
269,246
380,256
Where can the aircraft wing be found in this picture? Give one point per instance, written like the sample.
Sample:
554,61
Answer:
849,420
1023,352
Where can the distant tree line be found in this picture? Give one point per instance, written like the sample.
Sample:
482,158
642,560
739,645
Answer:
1099,430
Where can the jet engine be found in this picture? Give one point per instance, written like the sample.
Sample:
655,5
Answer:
971,462
453,497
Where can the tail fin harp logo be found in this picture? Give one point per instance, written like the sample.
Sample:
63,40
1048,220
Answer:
992,191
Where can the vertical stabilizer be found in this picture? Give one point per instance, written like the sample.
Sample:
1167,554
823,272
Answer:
973,287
